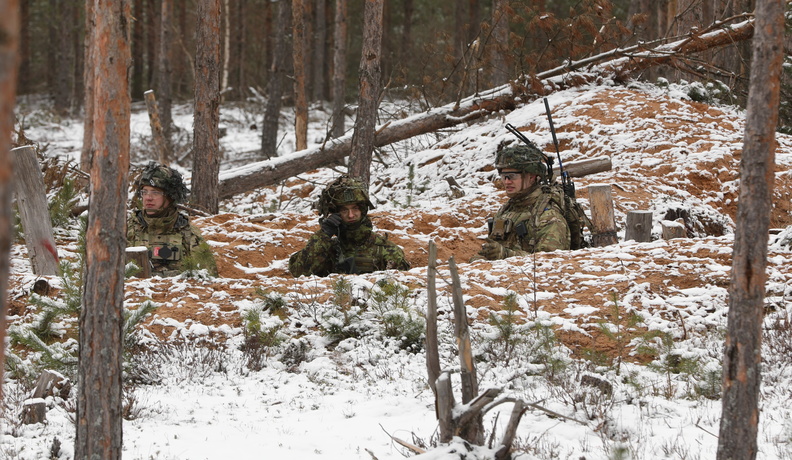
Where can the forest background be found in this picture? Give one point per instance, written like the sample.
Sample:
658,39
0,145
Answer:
433,51
430,54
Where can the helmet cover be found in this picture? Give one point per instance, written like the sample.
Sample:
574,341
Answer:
165,178
523,158
344,190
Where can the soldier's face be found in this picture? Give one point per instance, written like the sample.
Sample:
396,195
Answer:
154,199
350,213
515,181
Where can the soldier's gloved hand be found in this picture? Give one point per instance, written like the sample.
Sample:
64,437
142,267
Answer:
330,224
492,250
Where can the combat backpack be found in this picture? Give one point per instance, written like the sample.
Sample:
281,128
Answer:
573,213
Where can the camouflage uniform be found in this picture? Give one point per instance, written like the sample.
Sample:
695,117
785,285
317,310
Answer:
169,237
530,221
356,248
168,234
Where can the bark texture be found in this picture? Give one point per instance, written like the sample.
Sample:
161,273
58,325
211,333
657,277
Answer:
9,64
339,68
99,399
370,87
742,350
269,130
300,87
206,145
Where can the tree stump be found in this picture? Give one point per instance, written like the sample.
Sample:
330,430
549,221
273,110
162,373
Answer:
602,216
34,411
639,226
31,197
139,256
51,383
673,229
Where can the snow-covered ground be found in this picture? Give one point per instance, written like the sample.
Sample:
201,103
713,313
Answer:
617,348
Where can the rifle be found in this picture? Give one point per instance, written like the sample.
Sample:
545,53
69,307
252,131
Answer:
566,181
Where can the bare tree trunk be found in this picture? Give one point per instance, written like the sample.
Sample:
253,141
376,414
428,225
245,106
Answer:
226,47
99,400
742,350
370,86
138,50
339,67
500,48
206,146
86,155
269,131
320,51
164,73
300,96
24,43
64,67
9,61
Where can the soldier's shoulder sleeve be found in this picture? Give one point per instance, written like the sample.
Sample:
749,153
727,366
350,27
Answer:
316,258
393,255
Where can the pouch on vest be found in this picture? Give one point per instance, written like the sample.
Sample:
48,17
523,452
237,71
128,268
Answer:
501,228
165,248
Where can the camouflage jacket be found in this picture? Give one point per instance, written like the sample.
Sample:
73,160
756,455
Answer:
523,228
170,239
358,249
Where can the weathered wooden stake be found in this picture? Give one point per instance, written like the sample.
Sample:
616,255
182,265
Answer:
638,226
31,197
156,128
602,215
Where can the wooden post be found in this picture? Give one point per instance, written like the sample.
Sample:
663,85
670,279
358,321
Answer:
156,128
602,215
31,198
139,256
432,353
638,226
674,229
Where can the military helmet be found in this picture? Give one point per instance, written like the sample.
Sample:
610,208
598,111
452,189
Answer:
524,158
165,178
344,190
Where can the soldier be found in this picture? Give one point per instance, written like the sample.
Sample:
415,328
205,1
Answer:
530,221
346,242
174,244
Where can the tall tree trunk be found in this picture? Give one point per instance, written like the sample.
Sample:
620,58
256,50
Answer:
165,71
99,398
78,48
64,67
152,42
138,49
370,85
339,68
500,46
24,44
742,350
269,132
206,147
320,51
406,47
9,60
300,96
226,47
86,155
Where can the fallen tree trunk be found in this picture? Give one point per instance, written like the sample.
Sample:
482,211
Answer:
626,62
